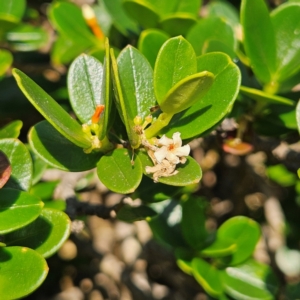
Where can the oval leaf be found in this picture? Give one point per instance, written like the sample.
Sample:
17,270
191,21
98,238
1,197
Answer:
259,41
130,214
45,235
26,267
175,61
219,248
244,232
215,104
84,86
285,21
251,280
150,41
51,110
188,173
6,60
208,277
17,209
59,152
20,161
208,29
11,130
117,173
13,10
187,92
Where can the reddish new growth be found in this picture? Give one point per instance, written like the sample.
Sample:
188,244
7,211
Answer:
97,113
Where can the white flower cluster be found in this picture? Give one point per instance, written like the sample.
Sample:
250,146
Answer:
165,155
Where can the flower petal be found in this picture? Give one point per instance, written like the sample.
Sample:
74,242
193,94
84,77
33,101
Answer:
172,158
182,151
165,141
161,154
176,139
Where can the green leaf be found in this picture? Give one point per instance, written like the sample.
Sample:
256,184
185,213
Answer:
207,276
67,18
259,41
188,6
142,12
219,248
244,232
130,214
56,205
6,60
184,260
263,97
224,10
193,222
251,280
188,173
45,235
84,86
149,43
178,23
175,61
5,169
12,10
215,104
285,21
59,152
11,130
20,161
51,110
26,37
211,28
281,175
187,92
121,20
22,271
44,190
117,173
65,50
17,209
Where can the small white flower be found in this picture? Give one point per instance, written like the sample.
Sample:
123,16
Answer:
172,149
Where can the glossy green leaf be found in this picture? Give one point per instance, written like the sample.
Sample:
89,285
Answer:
244,232
285,21
84,86
251,280
188,173
142,12
11,130
224,10
135,95
219,248
178,23
130,214
187,92
281,175
45,235
20,161
188,6
259,41
120,18
150,41
12,10
193,222
6,60
59,152
17,209
60,205
175,61
22,271
117,172
207,276
26,37
5,169
184,260
67,18
51,110
215,104
261,96
211,28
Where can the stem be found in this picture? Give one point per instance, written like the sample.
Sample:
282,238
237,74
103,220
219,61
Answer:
162,121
